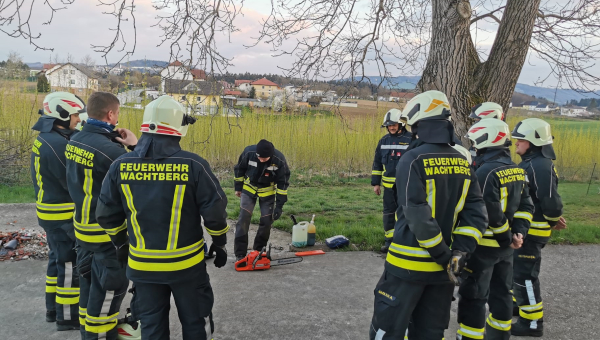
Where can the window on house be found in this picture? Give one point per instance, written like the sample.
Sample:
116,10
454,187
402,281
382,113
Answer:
72,82
199,99
72,71
263,87
65,71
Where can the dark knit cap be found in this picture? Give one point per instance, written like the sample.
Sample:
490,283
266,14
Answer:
265,149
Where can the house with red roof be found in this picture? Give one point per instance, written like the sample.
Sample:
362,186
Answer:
264,87
178,71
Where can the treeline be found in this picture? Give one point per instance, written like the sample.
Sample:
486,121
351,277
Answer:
589,103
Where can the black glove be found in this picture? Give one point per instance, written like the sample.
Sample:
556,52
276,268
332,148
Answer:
85,267
123,253
221,254
277,213
456,265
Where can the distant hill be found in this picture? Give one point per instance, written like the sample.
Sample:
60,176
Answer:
35,65
563,96
143,63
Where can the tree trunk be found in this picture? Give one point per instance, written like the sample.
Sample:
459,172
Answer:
453,65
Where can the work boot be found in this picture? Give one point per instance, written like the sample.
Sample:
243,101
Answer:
67,325
384,248
51,316
523,329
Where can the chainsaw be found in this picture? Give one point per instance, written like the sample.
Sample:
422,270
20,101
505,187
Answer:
261,260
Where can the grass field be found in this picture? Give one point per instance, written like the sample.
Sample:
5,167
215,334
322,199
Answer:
347,206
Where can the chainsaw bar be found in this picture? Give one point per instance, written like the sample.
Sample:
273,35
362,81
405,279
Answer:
288,260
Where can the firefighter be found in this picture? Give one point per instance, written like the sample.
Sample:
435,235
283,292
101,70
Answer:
54,206
487,110
534,145
487,276
441,219
387,154
152,203
89,155
262,172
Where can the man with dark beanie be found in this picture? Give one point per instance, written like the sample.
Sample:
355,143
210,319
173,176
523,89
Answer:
262,172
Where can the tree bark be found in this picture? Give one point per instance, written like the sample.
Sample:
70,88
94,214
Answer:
453,64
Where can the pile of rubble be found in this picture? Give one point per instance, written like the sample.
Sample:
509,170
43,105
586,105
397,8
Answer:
23,245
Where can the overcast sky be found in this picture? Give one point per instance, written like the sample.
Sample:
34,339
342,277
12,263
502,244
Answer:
75,29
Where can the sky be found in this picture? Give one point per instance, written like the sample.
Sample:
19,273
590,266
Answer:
75,29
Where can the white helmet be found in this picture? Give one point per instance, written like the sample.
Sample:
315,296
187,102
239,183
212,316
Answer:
61,105
428,105
392,117
534,130
464,152
83,119
165,116
489,133
487,110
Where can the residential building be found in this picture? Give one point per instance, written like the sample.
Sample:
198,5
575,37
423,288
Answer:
264,87
177,71
243,85
531,105
542,108
203,96
400,97
72,78
573,111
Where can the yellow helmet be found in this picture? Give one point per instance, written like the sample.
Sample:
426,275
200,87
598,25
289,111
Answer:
428,105
165,116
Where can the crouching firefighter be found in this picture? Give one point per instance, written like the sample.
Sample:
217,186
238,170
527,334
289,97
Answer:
152,203
441,219
387,154
487,110
54,206
262,172
534,145
487,276
102,277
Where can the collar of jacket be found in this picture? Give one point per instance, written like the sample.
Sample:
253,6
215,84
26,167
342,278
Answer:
157,146
497,154
95,129
101,124
531,153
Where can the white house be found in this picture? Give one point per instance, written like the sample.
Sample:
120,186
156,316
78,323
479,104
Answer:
177,71
243,85
542,108
573,111
68,77
531,106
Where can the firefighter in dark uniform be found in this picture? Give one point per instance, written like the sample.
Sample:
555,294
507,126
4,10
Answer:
89,155
60,116
534,145
261,172
487,110
152,204
387,154
441,219
488,273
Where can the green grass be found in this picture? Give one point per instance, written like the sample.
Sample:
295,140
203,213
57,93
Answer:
347,206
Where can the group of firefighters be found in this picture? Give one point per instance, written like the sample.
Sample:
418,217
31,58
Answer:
450,218
467,218
113,216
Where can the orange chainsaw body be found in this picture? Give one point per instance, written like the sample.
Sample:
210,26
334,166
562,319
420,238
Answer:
253,261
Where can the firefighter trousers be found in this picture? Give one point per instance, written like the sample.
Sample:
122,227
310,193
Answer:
487,278
398,301
247,204
67,277
101,295
51,279
193,298
526,285
390,205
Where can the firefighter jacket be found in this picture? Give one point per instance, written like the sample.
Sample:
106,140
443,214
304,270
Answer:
543,188
506,195
262,179
89,155
440,208
48,172
387,154
156,197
